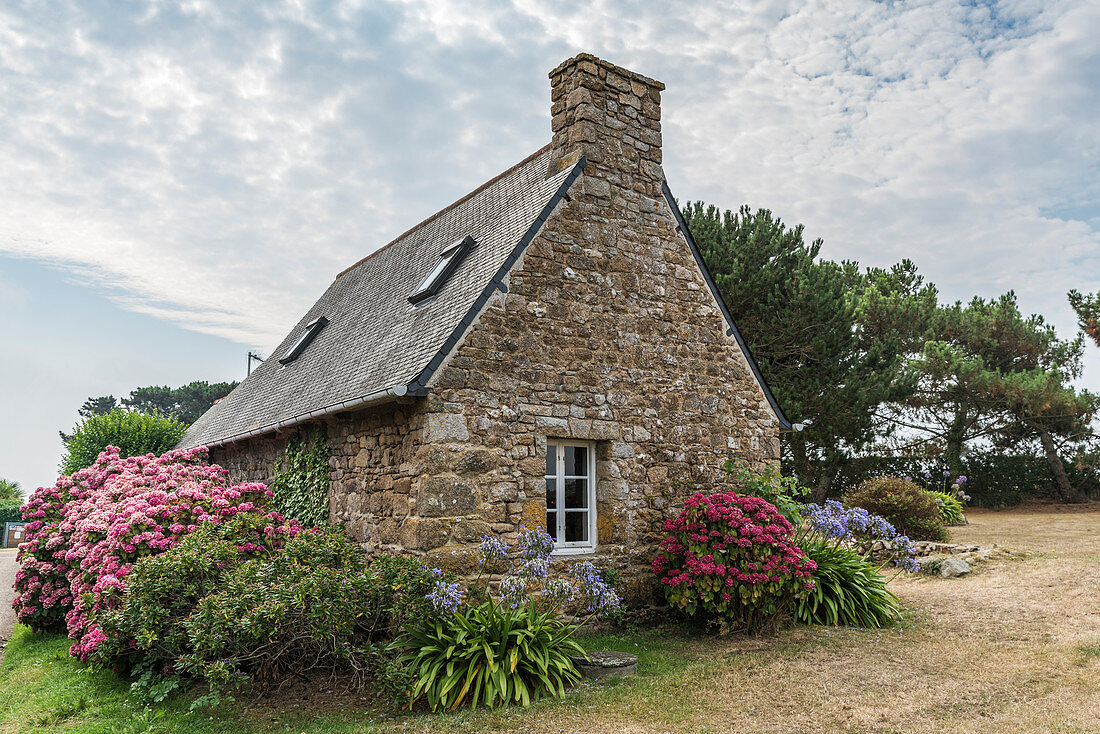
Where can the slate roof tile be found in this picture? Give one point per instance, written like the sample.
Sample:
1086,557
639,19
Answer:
376,339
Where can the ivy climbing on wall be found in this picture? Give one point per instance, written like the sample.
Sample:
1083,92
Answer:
301,479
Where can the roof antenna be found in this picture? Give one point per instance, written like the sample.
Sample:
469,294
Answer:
253,356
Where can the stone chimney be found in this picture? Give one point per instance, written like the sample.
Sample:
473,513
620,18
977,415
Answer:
611,116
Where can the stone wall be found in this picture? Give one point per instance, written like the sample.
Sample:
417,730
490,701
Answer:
608,332
369,469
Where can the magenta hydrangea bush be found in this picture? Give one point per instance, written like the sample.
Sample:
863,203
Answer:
86,532
732,560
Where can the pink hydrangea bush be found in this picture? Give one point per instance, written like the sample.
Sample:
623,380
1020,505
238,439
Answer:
731,559
88,530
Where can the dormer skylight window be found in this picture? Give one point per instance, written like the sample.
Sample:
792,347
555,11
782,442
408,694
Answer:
444,266
312,329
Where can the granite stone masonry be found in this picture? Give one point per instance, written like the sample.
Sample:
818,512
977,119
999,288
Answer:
602,328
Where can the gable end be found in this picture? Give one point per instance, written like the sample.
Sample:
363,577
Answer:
732,329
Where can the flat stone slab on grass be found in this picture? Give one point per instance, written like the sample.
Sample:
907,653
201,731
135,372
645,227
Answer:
604,664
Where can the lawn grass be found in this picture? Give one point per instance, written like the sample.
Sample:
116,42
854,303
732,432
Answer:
42,689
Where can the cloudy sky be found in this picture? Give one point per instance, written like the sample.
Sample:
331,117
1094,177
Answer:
178,181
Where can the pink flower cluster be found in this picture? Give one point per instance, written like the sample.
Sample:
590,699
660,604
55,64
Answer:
85,533
726,550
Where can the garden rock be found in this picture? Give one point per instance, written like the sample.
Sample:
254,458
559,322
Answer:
605,664
929,564
951,567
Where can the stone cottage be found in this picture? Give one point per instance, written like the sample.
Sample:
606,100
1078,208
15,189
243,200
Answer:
548,351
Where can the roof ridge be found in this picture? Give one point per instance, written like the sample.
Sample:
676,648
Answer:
445,209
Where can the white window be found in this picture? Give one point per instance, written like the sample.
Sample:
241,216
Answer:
571,495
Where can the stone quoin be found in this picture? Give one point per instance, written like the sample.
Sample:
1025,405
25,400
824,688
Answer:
549,351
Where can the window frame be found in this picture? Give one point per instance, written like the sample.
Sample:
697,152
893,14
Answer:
312,329
441,270
561,547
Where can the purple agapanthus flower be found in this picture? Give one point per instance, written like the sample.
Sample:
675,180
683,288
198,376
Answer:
834,520
493,549
535,543
445,597
592,594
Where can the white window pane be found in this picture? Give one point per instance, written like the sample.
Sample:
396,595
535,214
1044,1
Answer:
552,525
551,494
551,459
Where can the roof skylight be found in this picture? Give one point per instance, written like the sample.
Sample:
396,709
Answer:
444,266
310,333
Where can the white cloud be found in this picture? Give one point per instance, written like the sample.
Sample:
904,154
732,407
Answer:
220,164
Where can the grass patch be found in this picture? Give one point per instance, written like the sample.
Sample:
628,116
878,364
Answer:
42,689
1089,652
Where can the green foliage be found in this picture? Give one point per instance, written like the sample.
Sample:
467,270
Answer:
910,509
951,510
848,590
785,493
989,372
185,403
234,605
492,654
97,406
298,609
994,479
135,434
1088,313
829,339
10,493
163,590
11,499
301,480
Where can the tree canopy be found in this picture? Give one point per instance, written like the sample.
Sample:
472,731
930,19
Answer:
828,338
134,432
10,493
186,403
1088,313
871,361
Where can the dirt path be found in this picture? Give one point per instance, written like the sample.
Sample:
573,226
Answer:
8,567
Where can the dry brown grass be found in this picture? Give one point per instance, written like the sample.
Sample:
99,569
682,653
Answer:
1006,649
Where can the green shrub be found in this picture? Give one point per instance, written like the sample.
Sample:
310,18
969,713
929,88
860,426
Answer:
784,492
492,654
910,509
848,589
994,479
163,591
301,480
951,510
238,604
134,433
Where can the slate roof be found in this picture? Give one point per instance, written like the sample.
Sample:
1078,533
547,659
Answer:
376,340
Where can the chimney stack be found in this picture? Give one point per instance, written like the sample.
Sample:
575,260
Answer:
611,116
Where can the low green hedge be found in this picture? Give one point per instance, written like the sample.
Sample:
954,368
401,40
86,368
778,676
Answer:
993,480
